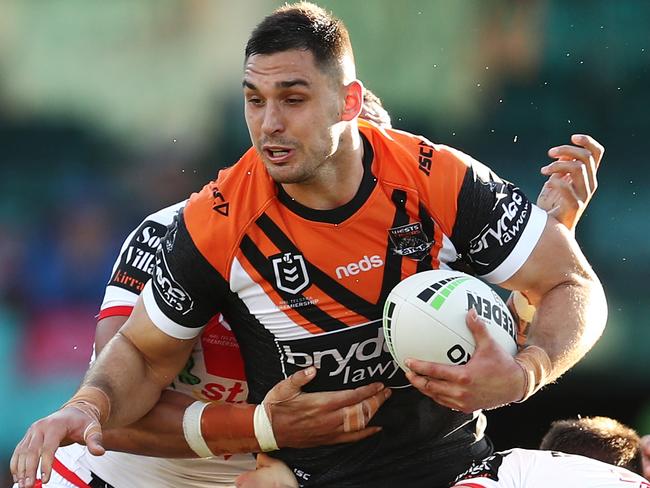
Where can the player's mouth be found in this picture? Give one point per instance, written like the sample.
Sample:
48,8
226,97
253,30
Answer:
277,154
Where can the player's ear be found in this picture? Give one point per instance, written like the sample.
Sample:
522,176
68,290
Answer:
353,100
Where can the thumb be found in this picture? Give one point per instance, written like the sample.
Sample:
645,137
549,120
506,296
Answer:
301,378
477,327
290,387
263,460
94,440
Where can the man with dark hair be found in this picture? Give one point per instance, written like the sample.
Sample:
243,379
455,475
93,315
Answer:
600,438
592,452
321,191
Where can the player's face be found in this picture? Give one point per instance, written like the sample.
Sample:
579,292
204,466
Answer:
292,111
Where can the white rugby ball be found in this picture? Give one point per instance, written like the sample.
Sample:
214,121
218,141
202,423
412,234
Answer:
424,317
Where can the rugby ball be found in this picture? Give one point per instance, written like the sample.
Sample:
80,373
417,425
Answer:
424,317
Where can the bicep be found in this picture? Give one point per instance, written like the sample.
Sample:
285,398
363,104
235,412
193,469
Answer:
165,355
106,329
555,260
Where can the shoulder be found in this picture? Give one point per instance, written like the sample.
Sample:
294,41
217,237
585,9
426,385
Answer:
226,206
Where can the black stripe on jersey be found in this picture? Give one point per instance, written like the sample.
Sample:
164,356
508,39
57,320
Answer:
311,312
319,278
427,228
259,349
393,268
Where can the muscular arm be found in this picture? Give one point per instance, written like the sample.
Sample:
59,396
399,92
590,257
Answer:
135,366
571,314
160,432
571,304
556,278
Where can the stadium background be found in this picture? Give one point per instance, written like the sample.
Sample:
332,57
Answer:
110,110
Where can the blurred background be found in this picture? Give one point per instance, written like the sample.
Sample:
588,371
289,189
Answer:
111,110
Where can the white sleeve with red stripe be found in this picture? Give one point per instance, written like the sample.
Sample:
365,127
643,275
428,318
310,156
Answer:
133,266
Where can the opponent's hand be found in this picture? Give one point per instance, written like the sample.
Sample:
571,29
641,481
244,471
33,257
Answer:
645,456
269,473
572,182
44,437
491,377
315,419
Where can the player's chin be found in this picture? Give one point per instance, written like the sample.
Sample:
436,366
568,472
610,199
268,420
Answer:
285,173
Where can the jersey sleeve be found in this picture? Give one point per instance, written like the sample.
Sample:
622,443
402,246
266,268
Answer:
135,263
185,291
496,227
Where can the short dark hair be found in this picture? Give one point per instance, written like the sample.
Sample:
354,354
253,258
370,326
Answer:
600,438
302,26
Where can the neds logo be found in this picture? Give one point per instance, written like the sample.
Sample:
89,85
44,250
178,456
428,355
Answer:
365,264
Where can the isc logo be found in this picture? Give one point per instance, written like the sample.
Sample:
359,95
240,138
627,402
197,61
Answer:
365,264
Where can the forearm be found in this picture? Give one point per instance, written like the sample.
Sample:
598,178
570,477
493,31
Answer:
123,374
135,366
159,433
569,320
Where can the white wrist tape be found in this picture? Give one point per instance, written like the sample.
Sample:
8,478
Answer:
523,307
192,429
264,430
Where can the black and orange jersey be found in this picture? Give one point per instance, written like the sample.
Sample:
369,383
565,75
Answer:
303,287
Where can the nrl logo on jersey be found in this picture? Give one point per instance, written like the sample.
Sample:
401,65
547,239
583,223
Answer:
410,241
290,272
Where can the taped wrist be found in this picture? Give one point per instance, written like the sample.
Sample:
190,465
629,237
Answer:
192,429
219,428
264,430
92,401
536,366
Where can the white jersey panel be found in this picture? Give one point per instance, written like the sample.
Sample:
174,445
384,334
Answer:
130,471
524,468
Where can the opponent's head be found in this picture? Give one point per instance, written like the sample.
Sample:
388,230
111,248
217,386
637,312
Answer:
374,110
599,438
300,90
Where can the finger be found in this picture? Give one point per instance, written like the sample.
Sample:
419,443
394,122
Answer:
47,459
477,327
32,458
344,398
438,371
570,200
356,417
13,463
264,460
291,387
591,144
92,437
301,378
445,393
579,175
353,436
568,153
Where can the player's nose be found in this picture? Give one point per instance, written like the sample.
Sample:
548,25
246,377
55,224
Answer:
272,123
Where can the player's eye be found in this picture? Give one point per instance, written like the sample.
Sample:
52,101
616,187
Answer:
256,101
294,100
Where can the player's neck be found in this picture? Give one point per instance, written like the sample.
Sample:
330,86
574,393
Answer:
337,181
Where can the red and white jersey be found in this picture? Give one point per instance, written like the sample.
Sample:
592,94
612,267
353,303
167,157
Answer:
75,467
214,372
524,468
